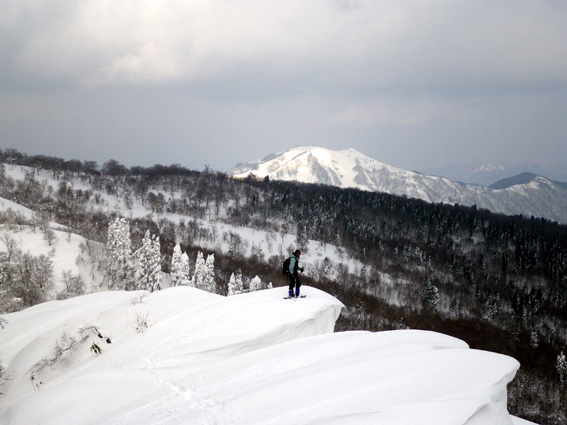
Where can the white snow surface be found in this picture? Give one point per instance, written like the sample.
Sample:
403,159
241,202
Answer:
253,358
64,252
6,205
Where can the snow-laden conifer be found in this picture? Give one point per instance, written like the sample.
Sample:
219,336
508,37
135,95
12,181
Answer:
120,268
209,274
148,274
239,283
143,255
156,264
186,270
200,271
255,284
176,266
233,288
534,340
561,367
429,295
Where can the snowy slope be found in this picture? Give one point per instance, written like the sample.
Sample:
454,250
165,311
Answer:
6,205
539,197
65,251
248,359
266,241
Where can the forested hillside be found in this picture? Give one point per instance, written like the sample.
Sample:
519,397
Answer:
497,282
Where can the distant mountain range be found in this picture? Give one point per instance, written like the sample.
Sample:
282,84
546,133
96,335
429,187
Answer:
527,194
487,174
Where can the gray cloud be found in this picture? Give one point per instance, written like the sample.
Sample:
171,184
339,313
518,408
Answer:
416,83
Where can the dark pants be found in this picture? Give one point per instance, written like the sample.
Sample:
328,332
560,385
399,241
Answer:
294,282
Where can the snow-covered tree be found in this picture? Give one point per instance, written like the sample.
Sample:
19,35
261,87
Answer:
363,275
28,278
491,307
200,272
156,271
236,245
327,267
233,288
255,284
429,294
239,283
176,266
180,273
120,268
186,271
209,278
74,285
143,255
148,274
534,340
301,239
561,367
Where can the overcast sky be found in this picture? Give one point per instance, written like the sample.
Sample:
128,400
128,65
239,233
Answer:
413,83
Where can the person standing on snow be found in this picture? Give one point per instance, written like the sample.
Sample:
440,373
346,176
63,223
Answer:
294,270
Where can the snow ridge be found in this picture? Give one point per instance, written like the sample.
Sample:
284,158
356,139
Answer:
253,358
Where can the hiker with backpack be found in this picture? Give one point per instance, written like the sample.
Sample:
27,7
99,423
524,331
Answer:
292,269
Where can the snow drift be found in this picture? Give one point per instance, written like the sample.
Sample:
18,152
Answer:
183,356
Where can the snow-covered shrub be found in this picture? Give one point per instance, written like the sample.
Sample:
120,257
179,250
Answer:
3,376
141,322
138,298
64,347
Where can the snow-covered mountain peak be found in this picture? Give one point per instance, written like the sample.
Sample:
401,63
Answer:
526,194
311,164
520,179
490,168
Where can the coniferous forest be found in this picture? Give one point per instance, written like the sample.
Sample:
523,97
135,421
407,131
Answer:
497,282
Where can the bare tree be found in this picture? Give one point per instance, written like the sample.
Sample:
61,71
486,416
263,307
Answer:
50,236
32,279
74,284
11,245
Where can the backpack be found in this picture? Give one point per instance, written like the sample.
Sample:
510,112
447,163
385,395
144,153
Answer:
285,268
